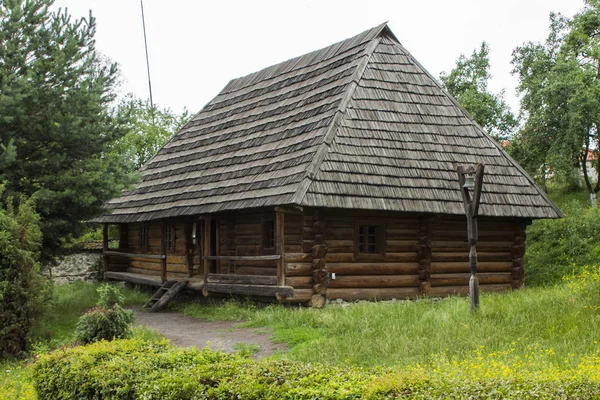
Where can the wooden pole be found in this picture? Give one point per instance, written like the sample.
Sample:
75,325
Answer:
471,205
280,244
105,245
206,248
163,251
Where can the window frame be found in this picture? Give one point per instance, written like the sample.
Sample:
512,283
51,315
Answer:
267,225
143,236
170,228
380,240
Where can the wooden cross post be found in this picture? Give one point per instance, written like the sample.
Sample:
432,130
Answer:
105,246
163,251
280,246
471,205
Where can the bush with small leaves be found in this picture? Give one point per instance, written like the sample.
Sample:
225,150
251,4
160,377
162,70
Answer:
107,321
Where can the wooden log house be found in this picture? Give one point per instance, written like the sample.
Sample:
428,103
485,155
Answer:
330,175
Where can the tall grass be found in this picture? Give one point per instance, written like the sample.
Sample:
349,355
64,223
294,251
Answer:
559,321
56,327
556,248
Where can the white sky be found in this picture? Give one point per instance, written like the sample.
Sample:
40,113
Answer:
196,47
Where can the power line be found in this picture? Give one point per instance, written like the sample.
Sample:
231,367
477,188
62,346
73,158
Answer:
146,45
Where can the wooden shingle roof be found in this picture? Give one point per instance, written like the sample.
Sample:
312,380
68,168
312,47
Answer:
359,124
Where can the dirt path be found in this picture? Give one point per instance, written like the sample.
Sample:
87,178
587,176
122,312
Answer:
218,335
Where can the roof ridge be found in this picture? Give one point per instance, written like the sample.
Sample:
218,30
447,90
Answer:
323,149
483,131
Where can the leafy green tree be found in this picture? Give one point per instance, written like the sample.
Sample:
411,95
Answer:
56,116
468,83
560,84
23,292
148,129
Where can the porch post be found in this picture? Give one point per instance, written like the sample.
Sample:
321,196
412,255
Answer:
105,245
206,249
163,251
280,246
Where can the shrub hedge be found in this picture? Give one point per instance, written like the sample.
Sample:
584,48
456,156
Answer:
135,369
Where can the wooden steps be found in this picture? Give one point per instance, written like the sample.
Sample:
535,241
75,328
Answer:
163,296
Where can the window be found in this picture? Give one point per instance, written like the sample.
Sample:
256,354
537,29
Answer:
170,237
370,242
268,234
143,236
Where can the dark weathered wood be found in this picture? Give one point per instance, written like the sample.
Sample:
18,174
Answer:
242,279
317,301
457,279
374,281
298,257
372,293
243,270
189,247
300,296
243,258
124,237
105,246
163,251
135,255
135,278
298,269
206,248
299,282
280,247
489,266
249,290
373,268
165,294
319,251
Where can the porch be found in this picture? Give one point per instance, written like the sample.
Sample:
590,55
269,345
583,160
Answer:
199,260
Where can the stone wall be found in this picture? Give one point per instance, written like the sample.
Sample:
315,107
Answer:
73,267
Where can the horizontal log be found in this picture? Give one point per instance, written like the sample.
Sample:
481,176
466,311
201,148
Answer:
137,279
339,257
401,257
340,243
487,266
299,282
463,279
300,296
256,271
243,258
253,240
401,234
372,294
248,290
298,257
459,234
137,255
157,266
399,246
374,281
298,269
373,268
455,245
443,291
242,279
464,256
340,234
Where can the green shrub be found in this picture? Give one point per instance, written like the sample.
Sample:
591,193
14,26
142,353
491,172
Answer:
557,248
24,293
108,320
135,369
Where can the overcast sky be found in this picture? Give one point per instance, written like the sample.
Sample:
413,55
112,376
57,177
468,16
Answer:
196,47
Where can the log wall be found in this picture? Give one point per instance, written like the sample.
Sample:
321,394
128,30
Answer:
176,259
422,254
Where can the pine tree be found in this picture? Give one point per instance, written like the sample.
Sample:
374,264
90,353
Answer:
55,113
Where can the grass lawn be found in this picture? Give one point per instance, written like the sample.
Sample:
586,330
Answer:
55,329
537,326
